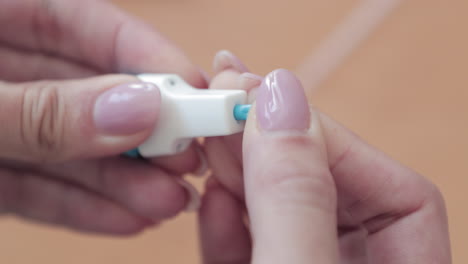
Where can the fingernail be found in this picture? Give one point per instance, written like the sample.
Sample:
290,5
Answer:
282,103
203,167
250,82
225,60
194,200
127,109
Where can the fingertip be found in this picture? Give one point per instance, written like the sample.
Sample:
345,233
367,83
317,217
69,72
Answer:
161,198
225,80
248,81
156,195
226,60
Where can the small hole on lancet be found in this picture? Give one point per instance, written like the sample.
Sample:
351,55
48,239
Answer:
180,146
172,82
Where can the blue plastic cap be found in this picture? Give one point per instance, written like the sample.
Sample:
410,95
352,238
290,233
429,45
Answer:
134,153
241,112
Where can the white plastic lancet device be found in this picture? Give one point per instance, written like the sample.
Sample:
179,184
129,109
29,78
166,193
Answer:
187,113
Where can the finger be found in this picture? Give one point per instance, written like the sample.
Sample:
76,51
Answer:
353,245
22,66
224,154
394,203
105,37
38,198
368,178
290,193
224,237
225,166
233,75
140,187
63,120
191,160
247,82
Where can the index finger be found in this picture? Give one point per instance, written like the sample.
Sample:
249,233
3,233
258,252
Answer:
395,205
94,33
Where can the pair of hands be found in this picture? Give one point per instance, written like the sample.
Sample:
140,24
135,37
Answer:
312,189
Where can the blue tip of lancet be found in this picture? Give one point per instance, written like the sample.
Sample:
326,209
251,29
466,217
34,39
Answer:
241,112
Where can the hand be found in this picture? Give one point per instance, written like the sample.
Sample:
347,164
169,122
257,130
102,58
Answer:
315,193
59,122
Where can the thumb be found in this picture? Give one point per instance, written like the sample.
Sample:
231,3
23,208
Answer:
62,120
290,193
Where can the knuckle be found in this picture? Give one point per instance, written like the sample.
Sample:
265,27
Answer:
298,143
42,114
295,182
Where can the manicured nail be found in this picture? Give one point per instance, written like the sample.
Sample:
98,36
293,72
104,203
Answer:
225,60
127,109
193,200
282,103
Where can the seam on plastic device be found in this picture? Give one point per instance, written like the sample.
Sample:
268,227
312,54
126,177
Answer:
187,113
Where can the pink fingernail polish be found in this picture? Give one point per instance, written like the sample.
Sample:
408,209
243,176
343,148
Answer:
127,109
225,60
282,103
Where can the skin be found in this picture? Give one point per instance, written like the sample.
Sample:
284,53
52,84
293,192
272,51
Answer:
332,198
54,50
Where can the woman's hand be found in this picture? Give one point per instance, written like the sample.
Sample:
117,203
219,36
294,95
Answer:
314,192
59,121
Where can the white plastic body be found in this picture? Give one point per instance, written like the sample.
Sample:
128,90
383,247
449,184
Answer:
187,113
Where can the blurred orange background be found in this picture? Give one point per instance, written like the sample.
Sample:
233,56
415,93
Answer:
405,90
